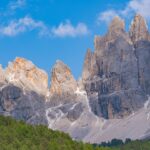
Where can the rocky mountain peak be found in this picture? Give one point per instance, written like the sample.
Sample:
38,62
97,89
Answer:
117,26
24,73
138,29
62,80
90,67
115,32
122,75
2,77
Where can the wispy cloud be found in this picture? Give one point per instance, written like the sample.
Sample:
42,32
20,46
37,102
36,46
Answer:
106,16
67,29
27,24
22,25
13,5
133,6
138,6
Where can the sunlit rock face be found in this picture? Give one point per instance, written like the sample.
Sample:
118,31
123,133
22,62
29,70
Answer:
24,73
117,88
139,29
22,92
63,85
116,28
90,68
2,76
62,80
65,105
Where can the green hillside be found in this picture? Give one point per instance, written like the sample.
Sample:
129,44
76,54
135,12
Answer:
17,135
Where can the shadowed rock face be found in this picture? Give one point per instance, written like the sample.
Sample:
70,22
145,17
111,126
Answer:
28,106
142,52
121,84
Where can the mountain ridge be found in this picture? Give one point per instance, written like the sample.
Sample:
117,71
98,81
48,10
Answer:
113,90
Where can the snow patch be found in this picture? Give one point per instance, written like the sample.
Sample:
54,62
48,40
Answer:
11,77
79,92
147,103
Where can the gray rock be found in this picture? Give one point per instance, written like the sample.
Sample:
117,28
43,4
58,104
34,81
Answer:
90,68
29,107
142,50
121,84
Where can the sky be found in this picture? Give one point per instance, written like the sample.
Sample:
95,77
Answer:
44,31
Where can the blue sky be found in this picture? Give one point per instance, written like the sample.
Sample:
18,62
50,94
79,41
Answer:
46,30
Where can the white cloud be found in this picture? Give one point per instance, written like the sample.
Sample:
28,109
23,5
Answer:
13,5
67,29
138,6
106,16
26,24
133,6
16,27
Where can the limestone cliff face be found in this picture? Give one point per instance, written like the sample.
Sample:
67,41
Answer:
64,101
24,73
116,30
142,52
117,88
139,29
62,80
115,83
90,68
22,91
2,76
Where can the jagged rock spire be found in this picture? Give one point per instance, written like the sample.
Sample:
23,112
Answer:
90,68
138,29
62,80
117,26
2,77
23,72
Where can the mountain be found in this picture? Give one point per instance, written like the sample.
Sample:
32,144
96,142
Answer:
110,100
119,83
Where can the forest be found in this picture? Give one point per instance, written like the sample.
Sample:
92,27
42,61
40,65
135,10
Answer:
17,135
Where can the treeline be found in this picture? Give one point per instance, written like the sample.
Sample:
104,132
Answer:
128,144
113,143
17,135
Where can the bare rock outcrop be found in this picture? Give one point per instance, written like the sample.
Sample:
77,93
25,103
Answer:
116,30
90,68
117,88
62,80
24,73
2,76
139,29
